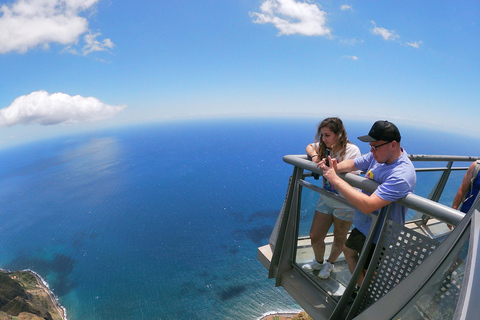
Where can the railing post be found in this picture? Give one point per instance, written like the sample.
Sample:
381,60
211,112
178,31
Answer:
338,313
286,242
437,191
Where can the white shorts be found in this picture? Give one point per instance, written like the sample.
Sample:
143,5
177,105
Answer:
339,210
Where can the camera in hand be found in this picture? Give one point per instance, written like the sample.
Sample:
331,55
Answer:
327,153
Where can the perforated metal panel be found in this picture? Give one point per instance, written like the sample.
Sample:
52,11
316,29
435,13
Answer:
443,303
439,296
398,252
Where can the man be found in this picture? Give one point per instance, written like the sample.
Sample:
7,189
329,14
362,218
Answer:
386,163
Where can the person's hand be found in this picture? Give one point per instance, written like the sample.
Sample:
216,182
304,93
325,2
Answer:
332,163
329,172
316,158
320,163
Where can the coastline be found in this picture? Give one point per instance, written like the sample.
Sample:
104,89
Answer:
61,310
41,285
278,316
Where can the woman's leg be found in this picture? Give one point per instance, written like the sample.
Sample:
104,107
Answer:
320,225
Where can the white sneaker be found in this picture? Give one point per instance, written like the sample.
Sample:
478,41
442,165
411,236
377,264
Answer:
314,265
326,270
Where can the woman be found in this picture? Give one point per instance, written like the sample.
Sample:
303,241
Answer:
331,137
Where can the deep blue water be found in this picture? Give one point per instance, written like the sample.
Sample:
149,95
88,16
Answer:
163,221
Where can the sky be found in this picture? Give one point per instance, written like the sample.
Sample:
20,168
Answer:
75,65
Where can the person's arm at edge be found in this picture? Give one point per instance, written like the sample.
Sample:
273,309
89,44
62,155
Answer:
463,187
365,203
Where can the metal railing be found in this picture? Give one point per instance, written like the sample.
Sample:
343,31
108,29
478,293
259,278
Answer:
284,238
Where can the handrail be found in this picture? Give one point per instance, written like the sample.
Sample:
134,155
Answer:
412,201
279,255
428,157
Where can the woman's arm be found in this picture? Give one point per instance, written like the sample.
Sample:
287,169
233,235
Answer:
312,152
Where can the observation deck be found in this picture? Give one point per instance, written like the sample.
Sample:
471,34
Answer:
421,270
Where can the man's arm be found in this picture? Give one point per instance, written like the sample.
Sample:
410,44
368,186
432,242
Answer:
362,201
346,166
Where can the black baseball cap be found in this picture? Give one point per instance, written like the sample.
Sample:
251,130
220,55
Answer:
382,130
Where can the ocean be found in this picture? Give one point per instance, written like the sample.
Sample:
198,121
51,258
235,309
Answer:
163,221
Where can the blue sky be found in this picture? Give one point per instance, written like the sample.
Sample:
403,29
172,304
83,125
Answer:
77,65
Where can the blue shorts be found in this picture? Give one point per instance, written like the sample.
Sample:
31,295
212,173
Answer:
330,206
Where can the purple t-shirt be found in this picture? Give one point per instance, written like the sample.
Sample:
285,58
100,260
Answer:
396,180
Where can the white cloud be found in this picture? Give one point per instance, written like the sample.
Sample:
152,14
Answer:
293,17
415,44
354,58
345,7
42,108
386,34
26,24
91,45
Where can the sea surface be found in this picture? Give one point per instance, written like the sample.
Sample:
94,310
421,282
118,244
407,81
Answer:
163,221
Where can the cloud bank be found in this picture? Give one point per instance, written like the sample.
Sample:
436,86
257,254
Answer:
42,108
293,17
26,24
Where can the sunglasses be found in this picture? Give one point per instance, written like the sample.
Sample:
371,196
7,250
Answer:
375,148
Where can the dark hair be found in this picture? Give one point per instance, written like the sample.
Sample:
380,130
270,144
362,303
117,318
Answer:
336,126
